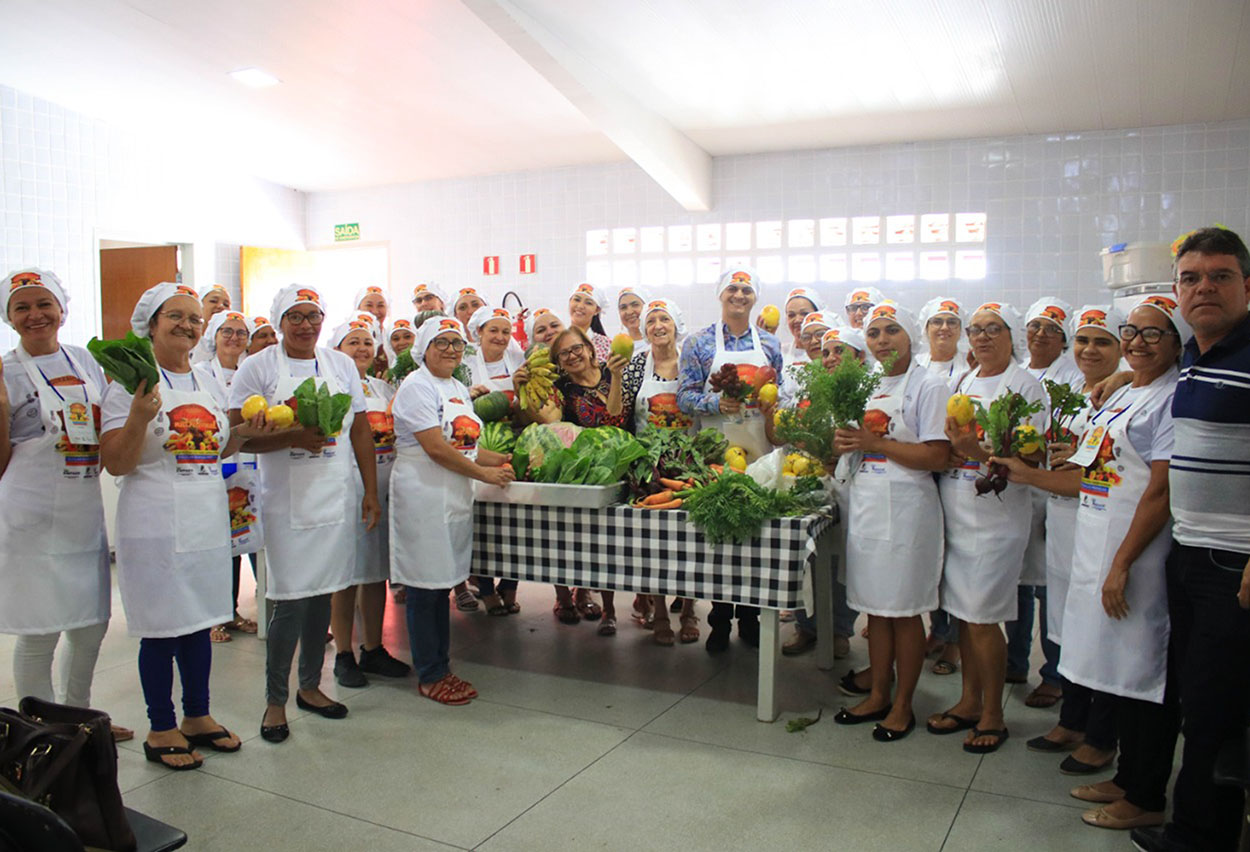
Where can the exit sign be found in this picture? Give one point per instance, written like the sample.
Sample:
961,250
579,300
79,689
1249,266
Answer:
350,231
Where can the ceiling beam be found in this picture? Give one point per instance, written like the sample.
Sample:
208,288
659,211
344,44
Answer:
681,167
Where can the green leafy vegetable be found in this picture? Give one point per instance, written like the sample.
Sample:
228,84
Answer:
402,367
802,723
734,507
127,361
827,400
317,408
1000,422
1065,405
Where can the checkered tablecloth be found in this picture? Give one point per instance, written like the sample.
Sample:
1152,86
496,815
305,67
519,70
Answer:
630,550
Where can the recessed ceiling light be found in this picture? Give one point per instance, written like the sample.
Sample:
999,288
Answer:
255,77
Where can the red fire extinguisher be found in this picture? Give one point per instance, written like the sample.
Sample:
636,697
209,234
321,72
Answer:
518,325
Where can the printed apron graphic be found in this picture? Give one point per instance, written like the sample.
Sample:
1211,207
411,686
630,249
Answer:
193,440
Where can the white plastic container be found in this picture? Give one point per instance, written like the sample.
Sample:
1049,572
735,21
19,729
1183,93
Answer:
1126,264
550,494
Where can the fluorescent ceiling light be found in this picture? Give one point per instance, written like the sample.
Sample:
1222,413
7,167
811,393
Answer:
255,77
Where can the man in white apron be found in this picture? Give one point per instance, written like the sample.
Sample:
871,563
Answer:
308,501
733,340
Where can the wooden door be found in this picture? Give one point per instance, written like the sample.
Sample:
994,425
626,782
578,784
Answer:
124,274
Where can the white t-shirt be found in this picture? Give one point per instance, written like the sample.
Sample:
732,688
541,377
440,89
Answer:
418,405
24,420
115,407
1030,388
259,375
924,403
1150,429
1062,370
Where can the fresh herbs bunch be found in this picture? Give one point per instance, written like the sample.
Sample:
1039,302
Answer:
835,399
1065,405
1000,422
733,507
674,454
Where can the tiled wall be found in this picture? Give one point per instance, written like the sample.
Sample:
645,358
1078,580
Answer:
66,180
1053,202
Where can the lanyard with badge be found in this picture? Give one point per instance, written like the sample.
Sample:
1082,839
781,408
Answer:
1091,440
79,423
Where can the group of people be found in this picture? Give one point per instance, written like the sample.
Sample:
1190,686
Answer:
1124,511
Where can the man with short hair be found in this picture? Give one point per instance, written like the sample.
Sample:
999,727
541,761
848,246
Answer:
1209,568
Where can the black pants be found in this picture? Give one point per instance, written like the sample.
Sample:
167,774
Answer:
1211,650
1088,711
235,563
1148,733
723,613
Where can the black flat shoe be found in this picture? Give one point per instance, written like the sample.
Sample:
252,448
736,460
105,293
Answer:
846,717
882,734
717,640
1049,746
333,710
848,686
1072,766
347,671
274,733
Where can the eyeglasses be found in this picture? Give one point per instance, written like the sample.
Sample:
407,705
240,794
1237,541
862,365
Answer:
991,331
858,308
575,349
312,318
232,332
455,344
1150,334
1043,328
178,318
944,322
1219,278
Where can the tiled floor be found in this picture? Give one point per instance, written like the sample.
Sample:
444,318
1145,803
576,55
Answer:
580,742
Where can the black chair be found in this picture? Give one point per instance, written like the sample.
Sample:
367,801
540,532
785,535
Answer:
1232,769
26,826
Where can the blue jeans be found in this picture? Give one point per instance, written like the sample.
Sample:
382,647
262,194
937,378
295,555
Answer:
843,616
429,632
194,653
1020,636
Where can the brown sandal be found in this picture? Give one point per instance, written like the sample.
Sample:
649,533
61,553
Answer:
662,632
689,629
446,690
220,634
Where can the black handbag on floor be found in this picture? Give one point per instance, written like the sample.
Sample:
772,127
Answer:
65,759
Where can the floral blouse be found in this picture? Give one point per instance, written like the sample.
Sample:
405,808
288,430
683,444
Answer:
588,407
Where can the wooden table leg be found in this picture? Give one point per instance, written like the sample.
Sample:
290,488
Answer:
822,589
770,649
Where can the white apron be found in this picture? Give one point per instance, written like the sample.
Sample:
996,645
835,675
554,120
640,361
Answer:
54,561
745,429
242,487
948,371
894,535
173,525
432,508
1060,536
373,559
497,375
1127,657
308,504
985,537
656,402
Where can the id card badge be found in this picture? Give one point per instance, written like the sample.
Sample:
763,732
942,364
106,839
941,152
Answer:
79,424
1091,443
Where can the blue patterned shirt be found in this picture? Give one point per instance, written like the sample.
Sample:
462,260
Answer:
696,362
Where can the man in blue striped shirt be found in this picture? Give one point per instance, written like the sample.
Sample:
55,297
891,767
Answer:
1209,570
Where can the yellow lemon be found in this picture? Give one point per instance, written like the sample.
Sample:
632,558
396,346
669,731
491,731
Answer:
281,416
1030,441
253,405
960,407
770,315
801,466
768,394
736,458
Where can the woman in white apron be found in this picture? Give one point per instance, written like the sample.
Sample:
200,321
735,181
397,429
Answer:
492,365
262,336
1086,721
858,303
399,337
225,341
631,304
173,525
985,535
894,526
586,304
800,302
50,481
1115,622
373,562
215,299
309,501
650,387
431,508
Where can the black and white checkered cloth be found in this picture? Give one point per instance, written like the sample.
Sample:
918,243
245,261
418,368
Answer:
630,550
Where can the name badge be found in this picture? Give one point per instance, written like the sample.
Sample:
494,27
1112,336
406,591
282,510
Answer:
1091,443
79,423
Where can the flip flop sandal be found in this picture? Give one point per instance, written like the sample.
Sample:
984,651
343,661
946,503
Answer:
465,602
1041,700
689,629
961,724
497,609
220,634
120,734
1000,736
607,627
444,691
566,614
464,686
210,740
944,667
154,754
589,610
243,625
663,633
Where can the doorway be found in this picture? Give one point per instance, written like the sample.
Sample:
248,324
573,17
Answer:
126,270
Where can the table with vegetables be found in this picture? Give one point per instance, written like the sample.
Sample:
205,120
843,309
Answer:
660,513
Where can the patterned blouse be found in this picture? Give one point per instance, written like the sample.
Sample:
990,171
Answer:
588,407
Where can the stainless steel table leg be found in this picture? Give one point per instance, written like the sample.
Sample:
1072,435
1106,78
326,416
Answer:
770,649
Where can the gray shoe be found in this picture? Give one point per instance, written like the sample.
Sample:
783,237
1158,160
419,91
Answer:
347,672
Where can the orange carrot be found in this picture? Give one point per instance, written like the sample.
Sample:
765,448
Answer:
671,504
672,484
660,497
717,468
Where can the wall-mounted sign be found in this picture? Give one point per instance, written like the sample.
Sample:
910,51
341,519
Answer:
350,231
490,265
527,264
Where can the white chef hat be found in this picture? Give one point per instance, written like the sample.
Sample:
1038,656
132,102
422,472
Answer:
1102,317
940,305
1056,310
804,293
1011,318
468,291
862,295
214,325
817,318
427,287
397,324
290,296
32,276
484,315
741,275
669,307
852,337
533,316
203,294
255,324
1167,306
365,292
637,291
892,310
150,303
432,329
591,290
340,332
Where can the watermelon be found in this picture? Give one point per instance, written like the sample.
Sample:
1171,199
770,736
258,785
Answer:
536,441
491,406
566,432
497,437
425,315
